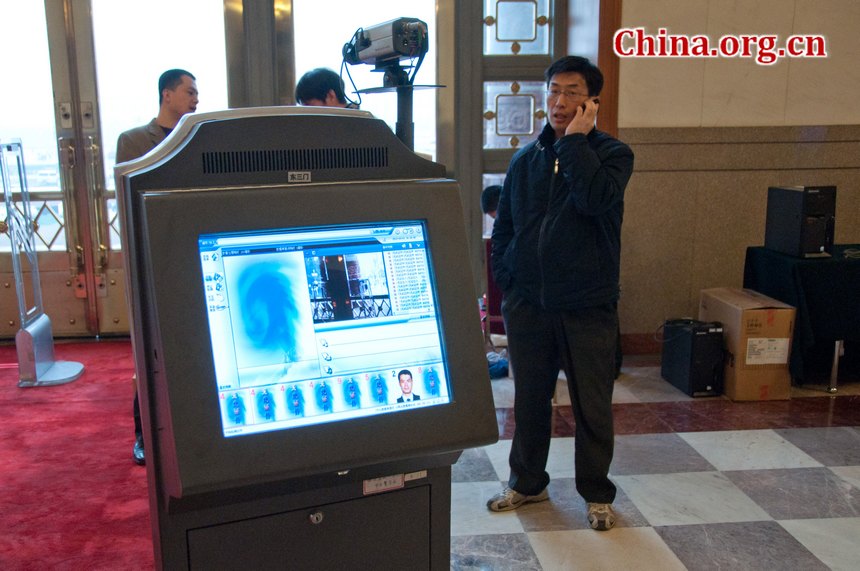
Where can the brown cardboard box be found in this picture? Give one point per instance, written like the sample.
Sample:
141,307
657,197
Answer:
757,331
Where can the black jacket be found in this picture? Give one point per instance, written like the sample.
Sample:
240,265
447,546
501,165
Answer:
561,249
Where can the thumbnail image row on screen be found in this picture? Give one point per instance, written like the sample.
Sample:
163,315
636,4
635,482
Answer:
285,401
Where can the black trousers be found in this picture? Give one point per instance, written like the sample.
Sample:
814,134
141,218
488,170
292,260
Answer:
138,426
583,342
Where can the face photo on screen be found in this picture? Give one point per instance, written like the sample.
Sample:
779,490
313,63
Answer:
313,325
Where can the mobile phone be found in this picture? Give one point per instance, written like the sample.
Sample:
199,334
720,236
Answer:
596,100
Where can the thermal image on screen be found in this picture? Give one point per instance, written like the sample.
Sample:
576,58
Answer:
322,324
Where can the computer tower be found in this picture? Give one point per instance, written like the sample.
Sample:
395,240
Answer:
801,220
693,356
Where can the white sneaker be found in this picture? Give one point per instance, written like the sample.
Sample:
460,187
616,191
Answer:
510,499
601,516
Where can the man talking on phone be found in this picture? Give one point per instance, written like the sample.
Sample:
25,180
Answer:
556,257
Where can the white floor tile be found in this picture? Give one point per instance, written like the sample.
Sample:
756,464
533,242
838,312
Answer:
469,513
748,450
834,541
646,385
503,392
560,463
850,474
689,498
621,393
498,454
619,548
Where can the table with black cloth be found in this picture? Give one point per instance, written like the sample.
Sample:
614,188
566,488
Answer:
825,291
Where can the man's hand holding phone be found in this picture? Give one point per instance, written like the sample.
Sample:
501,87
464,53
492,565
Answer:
583,121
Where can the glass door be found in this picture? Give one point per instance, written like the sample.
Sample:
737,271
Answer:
68,53
28,113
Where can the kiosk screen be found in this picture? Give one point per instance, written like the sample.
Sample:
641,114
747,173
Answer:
322,324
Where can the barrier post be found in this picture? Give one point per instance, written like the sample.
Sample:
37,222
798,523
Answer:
34,342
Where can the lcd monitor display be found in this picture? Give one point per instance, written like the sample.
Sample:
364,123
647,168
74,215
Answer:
322,324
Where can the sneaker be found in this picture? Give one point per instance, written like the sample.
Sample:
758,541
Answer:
509,499
138,453
601,516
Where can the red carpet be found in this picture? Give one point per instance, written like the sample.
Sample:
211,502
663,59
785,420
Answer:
70,495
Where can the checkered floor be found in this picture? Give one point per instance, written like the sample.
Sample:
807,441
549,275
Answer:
781,493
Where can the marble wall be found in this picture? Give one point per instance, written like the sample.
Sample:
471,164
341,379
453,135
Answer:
698,199
724,92
710,136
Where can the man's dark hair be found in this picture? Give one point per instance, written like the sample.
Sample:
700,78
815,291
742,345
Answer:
577,64
316,84
490,198
170,79
404,372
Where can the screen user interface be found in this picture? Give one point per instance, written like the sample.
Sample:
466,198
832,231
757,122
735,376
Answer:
322,324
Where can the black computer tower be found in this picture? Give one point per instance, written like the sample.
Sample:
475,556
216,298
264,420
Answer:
801,220
693,356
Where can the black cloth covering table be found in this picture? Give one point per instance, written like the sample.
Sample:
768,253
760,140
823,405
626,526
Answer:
825,291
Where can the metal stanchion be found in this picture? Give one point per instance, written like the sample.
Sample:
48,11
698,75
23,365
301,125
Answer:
34,341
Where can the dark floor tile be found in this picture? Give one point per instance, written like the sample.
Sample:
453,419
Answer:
562,422
504,552
709,415
742,546
655,454
799,493
723,414
634,418
566,510
473,466
822,411
637,418
832,446
806,412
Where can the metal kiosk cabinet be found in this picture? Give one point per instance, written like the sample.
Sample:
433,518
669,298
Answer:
304,458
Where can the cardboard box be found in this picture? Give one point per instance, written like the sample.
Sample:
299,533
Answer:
757,331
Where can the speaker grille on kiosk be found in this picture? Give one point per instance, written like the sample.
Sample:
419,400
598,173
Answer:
224,162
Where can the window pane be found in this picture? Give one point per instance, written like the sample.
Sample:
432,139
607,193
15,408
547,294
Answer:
515,27
27,113
513,113
487,180
321,46
129,61
516,21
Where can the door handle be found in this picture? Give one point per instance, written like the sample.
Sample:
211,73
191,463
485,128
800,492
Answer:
66,148
95,198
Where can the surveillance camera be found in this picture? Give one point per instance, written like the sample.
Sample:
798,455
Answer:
388,42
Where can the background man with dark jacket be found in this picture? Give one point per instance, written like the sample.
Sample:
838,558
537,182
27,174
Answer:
556,257
321,87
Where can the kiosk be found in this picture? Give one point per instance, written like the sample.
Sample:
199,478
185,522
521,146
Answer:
289,270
